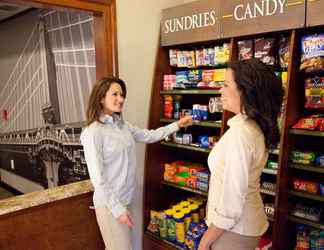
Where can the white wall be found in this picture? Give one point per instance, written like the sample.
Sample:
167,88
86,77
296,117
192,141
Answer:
138,31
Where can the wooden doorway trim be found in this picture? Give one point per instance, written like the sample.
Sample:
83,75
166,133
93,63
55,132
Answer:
104,12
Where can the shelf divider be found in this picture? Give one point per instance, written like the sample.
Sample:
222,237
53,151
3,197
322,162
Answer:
183,146
196,191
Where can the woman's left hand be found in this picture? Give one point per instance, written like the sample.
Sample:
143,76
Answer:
209,237
203,244
185,122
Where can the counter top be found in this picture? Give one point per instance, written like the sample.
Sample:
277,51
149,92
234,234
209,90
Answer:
37,198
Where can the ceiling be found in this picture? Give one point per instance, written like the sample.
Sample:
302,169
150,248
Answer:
9,9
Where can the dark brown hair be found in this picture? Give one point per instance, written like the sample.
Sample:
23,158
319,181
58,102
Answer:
261,94
98,92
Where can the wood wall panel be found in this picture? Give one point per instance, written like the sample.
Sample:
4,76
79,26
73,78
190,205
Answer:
67,224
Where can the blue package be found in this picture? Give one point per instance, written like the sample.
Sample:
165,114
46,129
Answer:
203,112
196,112
203,141
320,160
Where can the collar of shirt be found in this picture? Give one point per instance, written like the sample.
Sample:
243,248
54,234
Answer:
111,119
236,119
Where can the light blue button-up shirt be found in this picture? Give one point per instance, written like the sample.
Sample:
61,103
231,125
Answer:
109,149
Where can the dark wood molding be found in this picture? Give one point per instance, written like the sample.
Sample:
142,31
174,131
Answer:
105,28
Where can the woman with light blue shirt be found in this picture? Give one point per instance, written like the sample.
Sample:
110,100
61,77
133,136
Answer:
235,212
109,149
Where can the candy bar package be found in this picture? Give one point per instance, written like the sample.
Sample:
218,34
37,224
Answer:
314,93
245,49
305,186
311,122
284,53
307,212
264,50
312,53
302,157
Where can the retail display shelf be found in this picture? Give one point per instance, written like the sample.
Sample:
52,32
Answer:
306,132
196,191
188,147
212,124
307,167
307,195
191,92
218,66
306,222
270,171
268,192
156,237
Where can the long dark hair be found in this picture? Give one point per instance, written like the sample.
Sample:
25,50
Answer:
98,92
261,95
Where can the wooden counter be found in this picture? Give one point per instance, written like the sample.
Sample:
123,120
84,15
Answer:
57,218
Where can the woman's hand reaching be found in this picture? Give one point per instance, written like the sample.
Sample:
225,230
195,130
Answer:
184,122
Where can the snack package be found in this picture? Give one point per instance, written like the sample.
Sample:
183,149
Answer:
181,79
305,186
316,239
215,105
314,93
245,49
269,209
207,61
311,122
211,55
202,175
321,187
302,238
320,161
194,234
307,212
312,53
219,75
200,57
264,50
207,75
284,53
195,75
154,222
265,243
203,141
222,54
173,57
203,186
190,59
302,157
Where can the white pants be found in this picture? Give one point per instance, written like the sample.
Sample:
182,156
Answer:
115,235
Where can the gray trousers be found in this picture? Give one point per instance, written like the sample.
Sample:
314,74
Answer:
115,235
233,241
